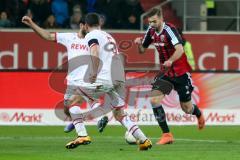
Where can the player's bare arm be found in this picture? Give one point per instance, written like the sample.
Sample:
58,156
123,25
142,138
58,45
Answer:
40,31
94,50
176,55
138,41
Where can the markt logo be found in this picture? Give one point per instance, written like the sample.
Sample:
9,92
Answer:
221,118
21,117
4,117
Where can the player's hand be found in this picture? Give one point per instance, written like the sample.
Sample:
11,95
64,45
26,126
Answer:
167,64
27,20
138,40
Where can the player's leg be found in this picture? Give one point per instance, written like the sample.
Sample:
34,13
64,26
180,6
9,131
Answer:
190,108
101,124
161,87
69,99
132,127
67,102
117,101
185,98
75,113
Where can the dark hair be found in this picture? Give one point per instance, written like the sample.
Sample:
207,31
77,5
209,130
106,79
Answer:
92,19
154,11
82,20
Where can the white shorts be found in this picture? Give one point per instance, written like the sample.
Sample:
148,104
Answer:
114,95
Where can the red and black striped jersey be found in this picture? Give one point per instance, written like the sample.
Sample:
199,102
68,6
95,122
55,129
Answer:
164,41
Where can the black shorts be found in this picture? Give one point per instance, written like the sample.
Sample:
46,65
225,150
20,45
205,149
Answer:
182,84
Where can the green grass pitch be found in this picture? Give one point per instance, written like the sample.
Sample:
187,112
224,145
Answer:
48,143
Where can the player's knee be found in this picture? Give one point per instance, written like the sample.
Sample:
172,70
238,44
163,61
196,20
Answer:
66,107
118,114
74,99
186,108
156,100
156,97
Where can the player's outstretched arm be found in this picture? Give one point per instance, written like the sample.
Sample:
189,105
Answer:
40,31
138,42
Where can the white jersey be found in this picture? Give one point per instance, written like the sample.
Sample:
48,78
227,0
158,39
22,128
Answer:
78,54
112,66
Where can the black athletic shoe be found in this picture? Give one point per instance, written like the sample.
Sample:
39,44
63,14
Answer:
102,123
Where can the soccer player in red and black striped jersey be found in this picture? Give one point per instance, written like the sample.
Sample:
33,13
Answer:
175,70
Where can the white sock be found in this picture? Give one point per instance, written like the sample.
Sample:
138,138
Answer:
133,129
78,121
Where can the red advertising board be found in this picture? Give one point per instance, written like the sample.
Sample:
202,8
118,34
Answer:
44,90
32,98
27,90
216,51
25,50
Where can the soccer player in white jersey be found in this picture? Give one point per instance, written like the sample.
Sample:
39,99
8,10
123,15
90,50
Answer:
77,50
108,70
104,77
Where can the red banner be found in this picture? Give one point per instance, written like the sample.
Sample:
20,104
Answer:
34,98
27,90
45,90
25,50
216,51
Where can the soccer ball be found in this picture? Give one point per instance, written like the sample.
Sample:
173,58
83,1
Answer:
129,138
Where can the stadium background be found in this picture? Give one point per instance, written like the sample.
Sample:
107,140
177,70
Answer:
216,52
32,91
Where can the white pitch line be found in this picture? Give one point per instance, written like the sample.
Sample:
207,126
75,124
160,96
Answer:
113,137
206,140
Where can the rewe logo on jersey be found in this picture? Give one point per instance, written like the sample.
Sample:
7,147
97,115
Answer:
79,46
